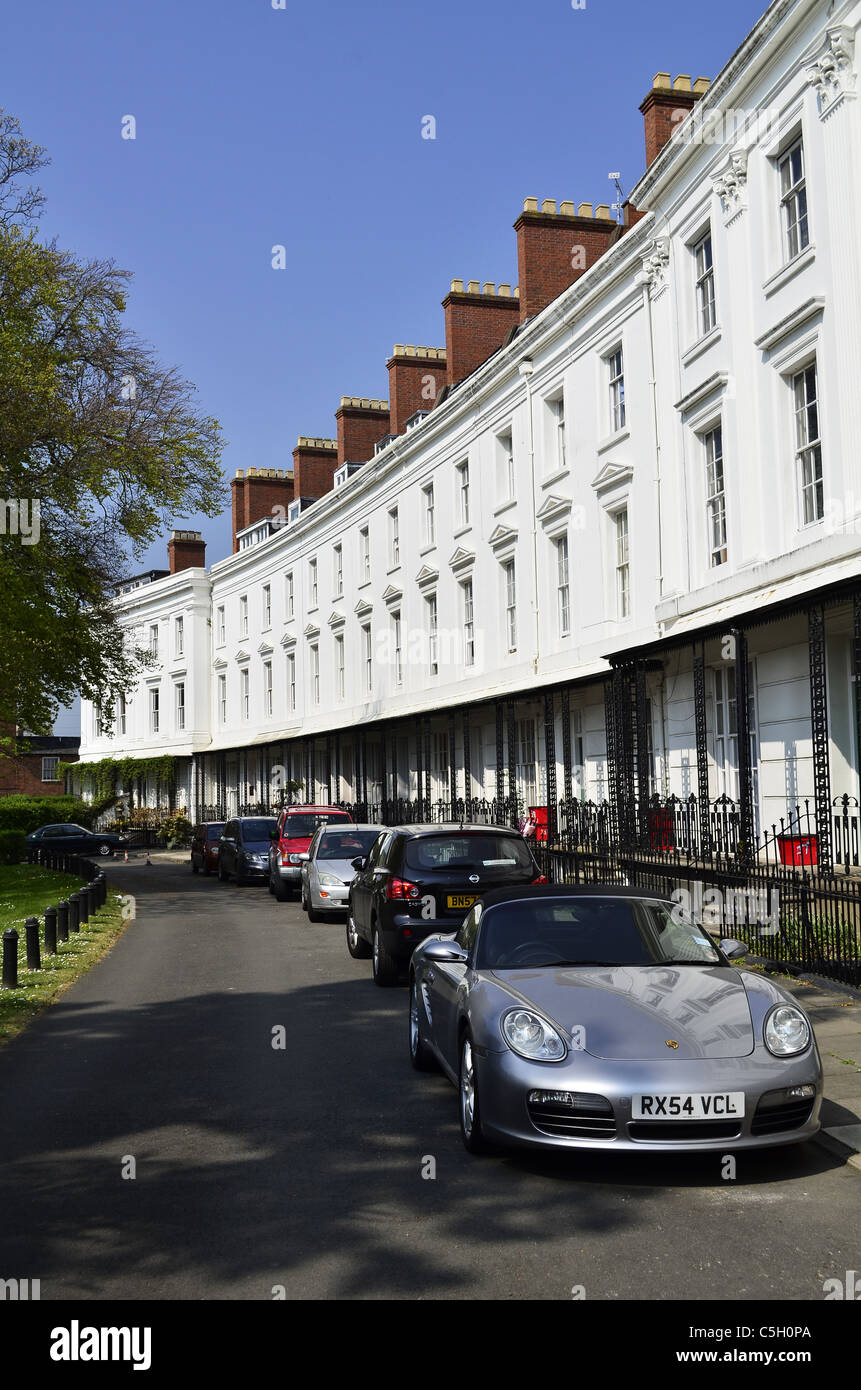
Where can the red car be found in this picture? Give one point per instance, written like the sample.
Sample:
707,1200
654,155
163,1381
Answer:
204,846
289,849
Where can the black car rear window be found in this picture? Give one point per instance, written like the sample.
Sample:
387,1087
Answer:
305,824
257,829
214,832
454,851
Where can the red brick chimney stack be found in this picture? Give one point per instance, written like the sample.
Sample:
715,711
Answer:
416,377
555,247
186,550
258,493
666,106
362,422
477,321
314,464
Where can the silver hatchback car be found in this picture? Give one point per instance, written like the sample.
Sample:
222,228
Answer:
327,869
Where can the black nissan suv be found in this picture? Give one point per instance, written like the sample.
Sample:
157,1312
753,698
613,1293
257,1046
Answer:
421,879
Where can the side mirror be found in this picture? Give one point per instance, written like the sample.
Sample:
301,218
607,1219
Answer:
445,951
303,858
734,950
358,863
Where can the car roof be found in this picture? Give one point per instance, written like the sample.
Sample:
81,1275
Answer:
567,890
455,828
348,829
291,810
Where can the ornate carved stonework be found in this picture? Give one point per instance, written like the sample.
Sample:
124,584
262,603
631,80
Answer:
730,184
655,262
833,73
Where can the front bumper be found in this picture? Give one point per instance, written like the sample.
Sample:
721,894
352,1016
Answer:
506,1080
336,899
289,873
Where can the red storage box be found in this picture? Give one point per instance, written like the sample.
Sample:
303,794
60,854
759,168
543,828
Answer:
661,829
539,815
797,849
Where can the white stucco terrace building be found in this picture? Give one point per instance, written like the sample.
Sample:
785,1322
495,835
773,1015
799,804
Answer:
637,493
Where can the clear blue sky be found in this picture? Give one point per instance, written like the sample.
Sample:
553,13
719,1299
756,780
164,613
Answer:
302,126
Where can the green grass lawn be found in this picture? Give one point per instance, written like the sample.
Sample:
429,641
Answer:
25,891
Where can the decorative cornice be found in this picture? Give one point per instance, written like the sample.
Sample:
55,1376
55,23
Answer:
362,608
612,475
392,594
312,630
219,664
776,334
718,381
288,640
462,560
553,508
832,75
730,184
242,657
336,619
264,649
502,538
656,261
426,577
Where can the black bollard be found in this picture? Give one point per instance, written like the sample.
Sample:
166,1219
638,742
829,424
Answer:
34,955
63,921
93,891
10,959
74,912
84,900
103,889
50,931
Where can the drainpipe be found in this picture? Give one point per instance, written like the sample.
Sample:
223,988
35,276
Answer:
656,431
526,369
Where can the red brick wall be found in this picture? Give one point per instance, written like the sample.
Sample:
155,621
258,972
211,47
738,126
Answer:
415,381
23,776
554,250
256,495
659,109
185,555
359,429
475,326
313,470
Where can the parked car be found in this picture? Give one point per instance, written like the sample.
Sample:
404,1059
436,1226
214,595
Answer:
327,869
74,839
592,1018
243,849
204,846
296,826
422,879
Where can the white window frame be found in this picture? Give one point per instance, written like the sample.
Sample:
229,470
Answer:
622,562
364,555
222,700
291,681
179,635
314,671
509,588
794,209
563,585
397,651
153,639
243,615
715,479
615,363
289,596
340,670
154,709
429,515
704,273
557,456
220,626
468,616
267,606
244,693
179,706
267,690
809,485
462,477
433,633
49,766
505,477
368,658
313,584
338,569
394,539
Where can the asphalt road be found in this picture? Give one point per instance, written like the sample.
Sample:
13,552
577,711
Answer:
258,1167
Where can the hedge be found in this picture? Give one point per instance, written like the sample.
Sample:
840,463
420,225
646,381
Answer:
26,813
13,846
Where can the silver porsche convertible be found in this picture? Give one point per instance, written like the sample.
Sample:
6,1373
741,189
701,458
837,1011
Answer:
595,1018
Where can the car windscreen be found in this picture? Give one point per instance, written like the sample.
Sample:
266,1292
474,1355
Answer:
491,854
588,931
345,844
253,831
303,826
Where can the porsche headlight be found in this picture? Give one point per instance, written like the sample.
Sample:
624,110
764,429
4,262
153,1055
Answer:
531,1036
786,1031
330,881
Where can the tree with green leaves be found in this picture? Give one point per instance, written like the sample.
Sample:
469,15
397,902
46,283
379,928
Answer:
101,449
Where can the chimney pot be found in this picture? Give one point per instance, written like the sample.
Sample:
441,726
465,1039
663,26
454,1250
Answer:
566,209
473,287
682,83
584,210
549,206
530,204
702,85
457,287
662,79
602,210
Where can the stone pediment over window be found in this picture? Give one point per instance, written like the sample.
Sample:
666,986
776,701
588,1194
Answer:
426,577
288,640
336,619
462,560
502,538
612,475
243,656
220,664
265,649
553,509
312,630
712,386
392,595
363,608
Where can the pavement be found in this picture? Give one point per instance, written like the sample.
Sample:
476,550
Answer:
224,1107
835,1013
